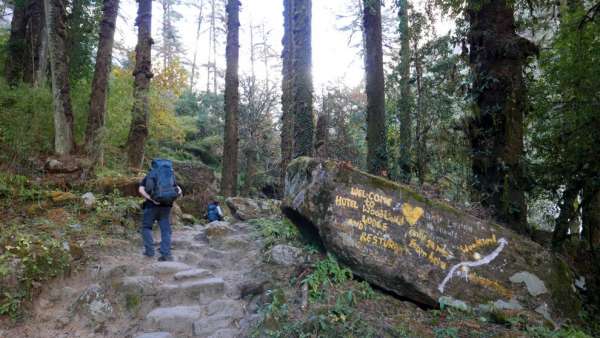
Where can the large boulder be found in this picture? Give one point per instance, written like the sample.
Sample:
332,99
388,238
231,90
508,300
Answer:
423,249
199,186
248,208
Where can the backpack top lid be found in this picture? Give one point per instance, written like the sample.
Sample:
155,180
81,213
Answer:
159,162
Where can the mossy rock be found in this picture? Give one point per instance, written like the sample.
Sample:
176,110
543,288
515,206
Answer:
420,248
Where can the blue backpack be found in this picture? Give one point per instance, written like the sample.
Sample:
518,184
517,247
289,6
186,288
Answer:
160,183
213,213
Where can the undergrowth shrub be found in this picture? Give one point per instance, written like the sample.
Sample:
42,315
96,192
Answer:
26,262
276,231
326,273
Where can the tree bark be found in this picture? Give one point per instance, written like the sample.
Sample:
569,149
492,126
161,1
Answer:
94,140
591,216
142,74
63,112
404,113
568,212
421,121
251,153
287,97
16,45
199,21
376,128
35,60
230,148
322,135
497,56
302,86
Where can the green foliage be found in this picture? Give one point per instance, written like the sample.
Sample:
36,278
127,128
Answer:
446,332
83,20
326,273
26,124
17,188
30,259
565,128
276,231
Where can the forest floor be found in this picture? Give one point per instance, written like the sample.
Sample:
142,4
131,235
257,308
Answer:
255,278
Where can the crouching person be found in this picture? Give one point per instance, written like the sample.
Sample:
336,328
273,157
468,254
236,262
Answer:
214,212
160,190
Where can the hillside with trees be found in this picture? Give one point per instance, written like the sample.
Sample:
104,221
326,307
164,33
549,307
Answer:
490,108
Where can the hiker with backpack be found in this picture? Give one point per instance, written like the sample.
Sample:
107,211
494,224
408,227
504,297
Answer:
214,212
160,190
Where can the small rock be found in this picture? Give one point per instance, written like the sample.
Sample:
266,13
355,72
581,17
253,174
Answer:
178,318
75,226
455,303
535,286
513,304
286,255
89,200
93,303
141,285
217,229
190,274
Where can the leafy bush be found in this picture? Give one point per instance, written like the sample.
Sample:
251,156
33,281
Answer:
36,259
327,272
276,231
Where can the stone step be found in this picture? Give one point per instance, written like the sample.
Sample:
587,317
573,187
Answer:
139,285
165,268
155,335
207,327
177,319
226,307
192,274
225,333
185,256
192,291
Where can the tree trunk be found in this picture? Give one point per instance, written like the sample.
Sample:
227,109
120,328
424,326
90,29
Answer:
16,45
42,62
422,118
302,86
142,73
287,97
200,18
36,55
94,140
591,216
63,112
404,113
214,48
497,56
251,153
376,129
568,212
230,147
322,135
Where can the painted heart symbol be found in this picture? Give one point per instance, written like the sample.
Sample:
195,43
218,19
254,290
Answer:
412,214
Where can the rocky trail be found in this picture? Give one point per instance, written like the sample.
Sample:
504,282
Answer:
202,293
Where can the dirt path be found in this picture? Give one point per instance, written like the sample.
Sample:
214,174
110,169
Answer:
199,294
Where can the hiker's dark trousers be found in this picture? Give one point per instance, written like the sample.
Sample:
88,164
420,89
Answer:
161,214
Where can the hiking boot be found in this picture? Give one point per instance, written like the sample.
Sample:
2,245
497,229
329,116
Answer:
165,258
